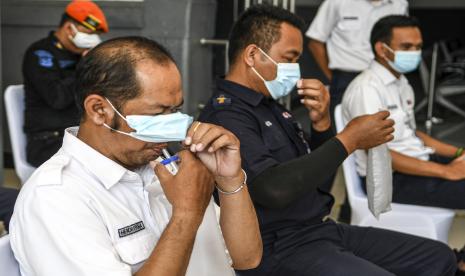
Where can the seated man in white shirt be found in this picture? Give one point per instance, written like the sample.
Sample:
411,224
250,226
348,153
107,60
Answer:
98,207
426,171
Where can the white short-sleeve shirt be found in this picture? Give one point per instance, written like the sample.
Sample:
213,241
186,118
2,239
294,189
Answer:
345,26
378,89
82,214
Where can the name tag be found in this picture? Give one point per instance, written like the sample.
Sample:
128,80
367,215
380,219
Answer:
350,18
392,107
131,229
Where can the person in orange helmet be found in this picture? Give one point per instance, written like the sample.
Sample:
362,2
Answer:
48,72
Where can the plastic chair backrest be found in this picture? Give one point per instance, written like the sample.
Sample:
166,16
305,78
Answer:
352,179
14,107
8,264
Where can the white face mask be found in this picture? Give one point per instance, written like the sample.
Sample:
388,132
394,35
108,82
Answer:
83,40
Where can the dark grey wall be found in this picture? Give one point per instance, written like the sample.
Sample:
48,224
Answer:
178,24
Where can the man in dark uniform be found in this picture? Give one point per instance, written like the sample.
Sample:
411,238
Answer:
48,70
286,167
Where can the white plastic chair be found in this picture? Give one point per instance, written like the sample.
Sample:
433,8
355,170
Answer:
14,105
8,264
429,222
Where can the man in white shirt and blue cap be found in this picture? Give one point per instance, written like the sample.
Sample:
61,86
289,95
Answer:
103,206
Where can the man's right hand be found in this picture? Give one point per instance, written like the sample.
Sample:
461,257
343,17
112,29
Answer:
190,190
367,131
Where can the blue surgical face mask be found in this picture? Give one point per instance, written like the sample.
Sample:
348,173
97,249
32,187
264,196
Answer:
156,129
404,61
287,76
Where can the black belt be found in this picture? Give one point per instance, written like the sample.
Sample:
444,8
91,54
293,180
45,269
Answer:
45,135
346,73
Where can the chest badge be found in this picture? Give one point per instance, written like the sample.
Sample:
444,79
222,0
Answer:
45,58
221,101
268,123
287,115
131,229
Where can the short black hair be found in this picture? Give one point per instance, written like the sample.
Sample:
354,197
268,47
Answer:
108,70
382,30
260,24
65,18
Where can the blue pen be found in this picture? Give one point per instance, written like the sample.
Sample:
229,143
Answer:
169,160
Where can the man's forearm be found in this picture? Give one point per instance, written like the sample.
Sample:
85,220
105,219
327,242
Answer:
240,229
439,147
172,253
410,165
320,54
279,186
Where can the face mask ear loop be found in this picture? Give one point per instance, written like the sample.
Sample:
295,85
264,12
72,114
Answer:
266,55
119,131
117,112
260,76
389,48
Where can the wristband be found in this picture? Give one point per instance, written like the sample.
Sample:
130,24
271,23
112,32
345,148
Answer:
458,152
236,190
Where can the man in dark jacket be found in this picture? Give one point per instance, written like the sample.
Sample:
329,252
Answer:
48,71
286,167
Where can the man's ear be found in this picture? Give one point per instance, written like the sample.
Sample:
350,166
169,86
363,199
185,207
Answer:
68,28
249,55
98,110
382,52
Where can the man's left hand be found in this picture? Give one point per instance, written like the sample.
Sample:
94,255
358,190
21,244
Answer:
219,150
316,100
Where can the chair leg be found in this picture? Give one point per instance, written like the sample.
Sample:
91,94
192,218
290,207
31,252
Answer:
447,104
421,105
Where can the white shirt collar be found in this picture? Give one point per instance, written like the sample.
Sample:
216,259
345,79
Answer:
106,170
384,74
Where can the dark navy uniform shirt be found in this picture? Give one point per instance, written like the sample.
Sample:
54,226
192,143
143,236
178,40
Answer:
48,71
269,136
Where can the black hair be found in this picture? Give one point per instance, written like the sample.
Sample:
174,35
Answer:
108,70
382,30
260,25
66,18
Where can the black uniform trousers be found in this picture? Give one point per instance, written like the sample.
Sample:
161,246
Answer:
7,203
429,191
332,249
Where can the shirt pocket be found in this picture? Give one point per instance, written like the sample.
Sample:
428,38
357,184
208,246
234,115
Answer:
349,23
136,250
